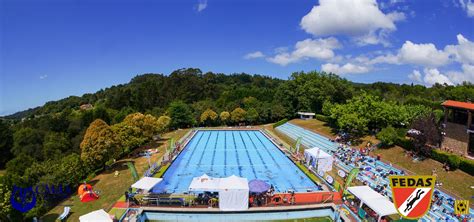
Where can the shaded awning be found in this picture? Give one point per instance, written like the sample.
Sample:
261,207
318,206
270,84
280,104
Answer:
377,202
146,183
96,216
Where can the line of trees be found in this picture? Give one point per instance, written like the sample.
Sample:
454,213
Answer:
44,156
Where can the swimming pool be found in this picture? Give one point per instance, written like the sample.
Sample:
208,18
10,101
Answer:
244,153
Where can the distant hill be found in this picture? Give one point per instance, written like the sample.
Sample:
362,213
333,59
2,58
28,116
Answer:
306,91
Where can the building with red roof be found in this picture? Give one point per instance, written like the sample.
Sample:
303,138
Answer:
458,127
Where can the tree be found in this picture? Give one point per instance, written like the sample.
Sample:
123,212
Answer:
252,115
163,123
208,117
238,115
224,116
181,115
28,141
5,205
55,145
6,143
148,124
278,112
129,137
17,165
100,112
387,136
429,133
99,144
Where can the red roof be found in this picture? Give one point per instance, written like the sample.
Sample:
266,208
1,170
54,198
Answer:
457,104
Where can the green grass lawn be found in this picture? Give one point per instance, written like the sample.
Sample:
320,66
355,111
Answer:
456,182
315,125
111,188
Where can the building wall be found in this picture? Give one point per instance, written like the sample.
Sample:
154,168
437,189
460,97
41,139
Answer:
456,138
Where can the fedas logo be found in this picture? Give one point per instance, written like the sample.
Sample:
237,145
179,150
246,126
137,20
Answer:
412,194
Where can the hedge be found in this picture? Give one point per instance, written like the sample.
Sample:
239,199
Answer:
279,123
454,161
322,118
405,143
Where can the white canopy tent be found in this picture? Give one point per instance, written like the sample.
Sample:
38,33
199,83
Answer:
316,156
146,183
96,216
233,193
377,202
233,190
204,183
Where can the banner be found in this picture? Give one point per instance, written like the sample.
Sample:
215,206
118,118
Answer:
171,146
351,177
132,169
298,144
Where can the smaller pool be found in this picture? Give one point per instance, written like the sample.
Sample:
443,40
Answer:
323,214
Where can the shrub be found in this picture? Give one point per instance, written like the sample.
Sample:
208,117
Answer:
322,118
439,156
467,166
387,136
279,123
405,143
454,161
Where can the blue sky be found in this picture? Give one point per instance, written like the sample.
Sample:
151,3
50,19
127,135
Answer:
51,49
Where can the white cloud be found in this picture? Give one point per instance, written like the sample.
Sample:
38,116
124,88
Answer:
202,4
433,76
254,55
467,5
463,52
467,74
43,76
422,54
361,19
348,68
415,76
322,49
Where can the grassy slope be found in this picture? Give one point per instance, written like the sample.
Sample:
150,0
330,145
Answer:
455,182
111,188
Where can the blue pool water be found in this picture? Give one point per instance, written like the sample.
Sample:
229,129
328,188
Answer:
246,154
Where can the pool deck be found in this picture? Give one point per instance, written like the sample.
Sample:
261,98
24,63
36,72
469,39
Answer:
252,209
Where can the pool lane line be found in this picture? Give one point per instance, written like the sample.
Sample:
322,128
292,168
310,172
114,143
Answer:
248,154
225,153
273,181
204,150
181,155
188,160
237,155
214,152
259,154
269,153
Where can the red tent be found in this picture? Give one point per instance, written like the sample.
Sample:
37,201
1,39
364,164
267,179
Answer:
89,196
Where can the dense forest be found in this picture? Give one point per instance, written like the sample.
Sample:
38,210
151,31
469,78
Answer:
64,141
